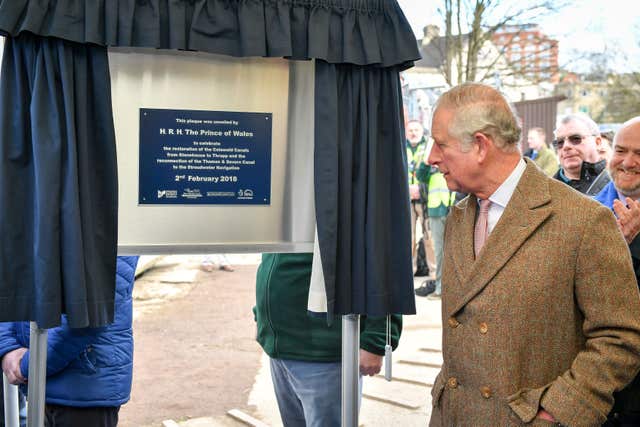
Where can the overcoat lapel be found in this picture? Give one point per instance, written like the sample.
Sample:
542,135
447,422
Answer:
527,209
463,241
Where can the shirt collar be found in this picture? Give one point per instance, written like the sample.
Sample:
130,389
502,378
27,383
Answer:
503,194
562,176
622,197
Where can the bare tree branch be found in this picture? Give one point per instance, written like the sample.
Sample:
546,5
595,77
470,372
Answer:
472,24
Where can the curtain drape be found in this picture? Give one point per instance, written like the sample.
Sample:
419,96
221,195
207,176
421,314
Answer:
337,31
58,183
362,200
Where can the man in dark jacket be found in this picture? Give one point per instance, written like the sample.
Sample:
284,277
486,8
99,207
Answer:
305,352
89,370
577,139
621,195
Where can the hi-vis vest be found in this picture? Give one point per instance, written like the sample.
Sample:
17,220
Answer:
414,159
439,194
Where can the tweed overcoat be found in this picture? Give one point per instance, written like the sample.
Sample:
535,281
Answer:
548,314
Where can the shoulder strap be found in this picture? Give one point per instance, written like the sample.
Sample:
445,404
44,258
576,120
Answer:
599,183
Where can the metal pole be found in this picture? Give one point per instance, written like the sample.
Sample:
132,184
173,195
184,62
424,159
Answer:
350,369
11,409
37,376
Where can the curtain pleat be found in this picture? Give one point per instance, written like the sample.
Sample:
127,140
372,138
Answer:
362,200
58,183
337,31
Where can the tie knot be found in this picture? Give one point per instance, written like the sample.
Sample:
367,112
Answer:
484,205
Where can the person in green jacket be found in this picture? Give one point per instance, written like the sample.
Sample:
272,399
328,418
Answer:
439,201
304,350
540,152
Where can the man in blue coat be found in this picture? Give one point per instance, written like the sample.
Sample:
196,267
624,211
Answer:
621,195
89,370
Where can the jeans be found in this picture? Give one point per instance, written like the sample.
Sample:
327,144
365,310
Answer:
308,393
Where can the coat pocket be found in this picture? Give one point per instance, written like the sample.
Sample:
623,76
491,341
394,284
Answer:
436,391
526,403
87,361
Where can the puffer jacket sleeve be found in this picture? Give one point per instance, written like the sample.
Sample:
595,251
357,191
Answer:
64,344
8,338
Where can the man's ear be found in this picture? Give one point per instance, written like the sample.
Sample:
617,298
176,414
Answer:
598,141
482,144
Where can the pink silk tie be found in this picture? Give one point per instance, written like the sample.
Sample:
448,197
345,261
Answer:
480,232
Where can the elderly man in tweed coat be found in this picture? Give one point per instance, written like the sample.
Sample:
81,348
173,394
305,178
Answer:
525,342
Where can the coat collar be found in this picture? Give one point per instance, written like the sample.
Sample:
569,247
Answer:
527,209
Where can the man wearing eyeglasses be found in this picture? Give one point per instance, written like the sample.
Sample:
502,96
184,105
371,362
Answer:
577,140
621,195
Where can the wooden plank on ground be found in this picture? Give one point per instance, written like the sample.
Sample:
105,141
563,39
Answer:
244,418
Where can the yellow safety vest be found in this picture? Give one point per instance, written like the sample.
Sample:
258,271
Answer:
439,194
414,158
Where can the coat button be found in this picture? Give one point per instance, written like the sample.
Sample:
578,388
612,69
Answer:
453,322
486,392
452,382
483,328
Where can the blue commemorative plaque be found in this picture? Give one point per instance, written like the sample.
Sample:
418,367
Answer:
204,157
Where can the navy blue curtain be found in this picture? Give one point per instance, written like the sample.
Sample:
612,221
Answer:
337,31
362,199
58,183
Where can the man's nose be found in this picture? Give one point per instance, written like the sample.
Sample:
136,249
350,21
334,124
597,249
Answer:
566,147
433,158
630,161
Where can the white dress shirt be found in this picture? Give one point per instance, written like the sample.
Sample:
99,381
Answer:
500,198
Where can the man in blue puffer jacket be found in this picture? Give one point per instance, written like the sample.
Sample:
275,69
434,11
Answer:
622,196
89,370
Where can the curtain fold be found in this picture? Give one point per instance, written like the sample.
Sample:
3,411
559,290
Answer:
362,200
58,183
337,31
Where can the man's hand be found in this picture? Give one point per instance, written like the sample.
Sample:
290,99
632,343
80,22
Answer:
628,218
11,366
370,364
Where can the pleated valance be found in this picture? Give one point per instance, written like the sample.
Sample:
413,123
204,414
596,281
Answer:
360,32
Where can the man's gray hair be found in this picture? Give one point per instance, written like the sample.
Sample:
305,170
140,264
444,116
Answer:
580,117
481,108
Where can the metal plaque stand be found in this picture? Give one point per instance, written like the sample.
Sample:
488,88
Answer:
11,409
37,375
350,369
